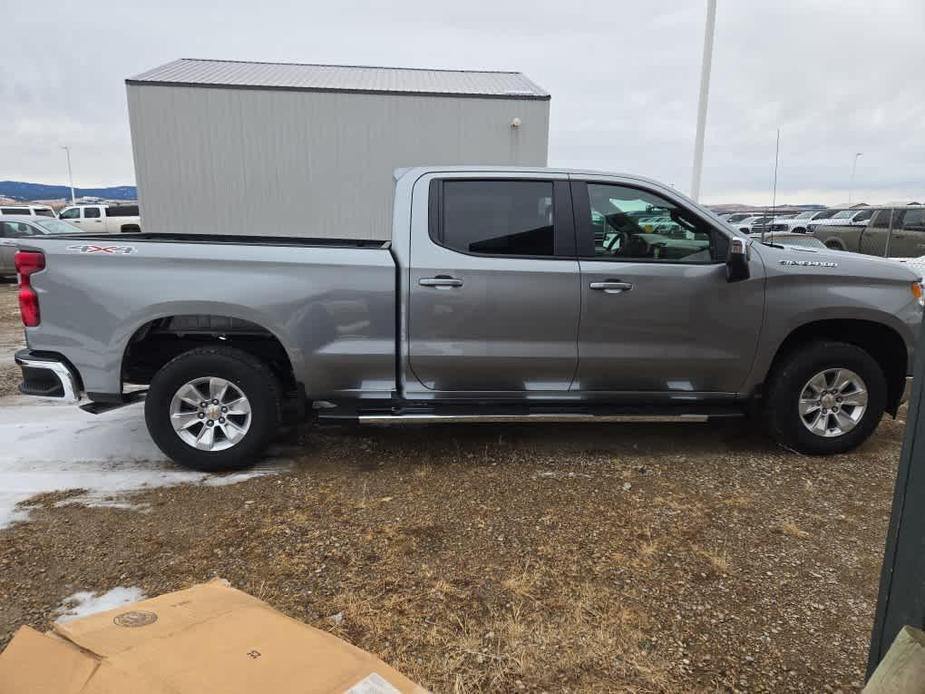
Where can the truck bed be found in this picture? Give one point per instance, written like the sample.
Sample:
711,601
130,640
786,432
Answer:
329,303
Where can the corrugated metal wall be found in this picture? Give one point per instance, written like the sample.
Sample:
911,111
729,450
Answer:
287,163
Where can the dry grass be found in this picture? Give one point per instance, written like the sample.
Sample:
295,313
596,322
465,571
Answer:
791,529
504,558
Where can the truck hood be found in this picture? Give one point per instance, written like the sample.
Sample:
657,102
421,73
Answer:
798,260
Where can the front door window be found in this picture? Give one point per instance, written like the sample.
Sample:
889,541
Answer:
637,225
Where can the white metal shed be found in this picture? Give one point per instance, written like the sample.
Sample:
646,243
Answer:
224,147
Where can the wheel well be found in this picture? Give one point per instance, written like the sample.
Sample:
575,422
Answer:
128,228
835,245
157,342
880,341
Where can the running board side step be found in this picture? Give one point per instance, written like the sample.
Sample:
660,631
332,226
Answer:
449,413
536,417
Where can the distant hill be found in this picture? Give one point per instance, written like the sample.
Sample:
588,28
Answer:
20,190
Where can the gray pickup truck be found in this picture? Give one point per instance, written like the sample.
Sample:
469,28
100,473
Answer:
504,295
890,232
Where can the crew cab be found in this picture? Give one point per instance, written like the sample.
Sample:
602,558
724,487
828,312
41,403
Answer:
891,232
504,294
105,219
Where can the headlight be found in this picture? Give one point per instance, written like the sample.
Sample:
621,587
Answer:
918,292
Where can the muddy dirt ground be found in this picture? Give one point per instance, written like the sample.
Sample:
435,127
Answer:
642,558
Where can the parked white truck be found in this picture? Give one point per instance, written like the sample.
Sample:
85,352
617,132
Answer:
103,219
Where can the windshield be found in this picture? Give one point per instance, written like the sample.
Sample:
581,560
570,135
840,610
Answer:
845,214
805,215
55,226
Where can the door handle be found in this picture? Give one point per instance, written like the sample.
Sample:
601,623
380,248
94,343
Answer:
440,281
611,287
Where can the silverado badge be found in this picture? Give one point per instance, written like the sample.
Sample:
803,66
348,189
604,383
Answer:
809,263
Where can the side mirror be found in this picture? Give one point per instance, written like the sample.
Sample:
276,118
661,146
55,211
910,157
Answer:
737,261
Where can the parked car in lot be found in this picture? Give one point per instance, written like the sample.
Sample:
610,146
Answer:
897,232
106,219
854,217
789,238
733,217
799,223
13,227
754,224
504,295
28,210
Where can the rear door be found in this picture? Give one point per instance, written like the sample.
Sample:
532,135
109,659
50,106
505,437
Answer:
93,219
493,286
658,316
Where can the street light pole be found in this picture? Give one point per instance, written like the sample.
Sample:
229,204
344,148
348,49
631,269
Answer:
705,66
854,168
70,176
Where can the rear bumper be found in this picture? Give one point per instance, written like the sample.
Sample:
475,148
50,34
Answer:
46,375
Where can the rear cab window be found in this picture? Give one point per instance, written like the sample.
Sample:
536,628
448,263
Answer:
500,217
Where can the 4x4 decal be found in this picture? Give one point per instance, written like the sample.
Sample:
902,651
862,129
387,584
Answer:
106,250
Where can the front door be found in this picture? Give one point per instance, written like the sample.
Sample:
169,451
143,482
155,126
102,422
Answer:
908,237
493,287
658,315
874,237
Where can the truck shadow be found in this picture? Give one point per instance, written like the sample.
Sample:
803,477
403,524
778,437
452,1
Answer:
368,447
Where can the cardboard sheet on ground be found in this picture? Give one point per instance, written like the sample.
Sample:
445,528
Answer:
209,638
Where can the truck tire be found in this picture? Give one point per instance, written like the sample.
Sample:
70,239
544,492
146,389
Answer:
799,230
824,398
213,408
835,245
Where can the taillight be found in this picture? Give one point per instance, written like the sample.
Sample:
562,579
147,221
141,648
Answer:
28,263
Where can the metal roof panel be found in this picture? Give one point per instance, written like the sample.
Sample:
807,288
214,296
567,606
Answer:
341,78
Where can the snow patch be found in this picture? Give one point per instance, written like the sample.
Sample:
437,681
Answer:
85,603
55,447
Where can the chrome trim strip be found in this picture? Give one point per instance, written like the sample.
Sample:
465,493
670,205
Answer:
514,418
65,377
907,391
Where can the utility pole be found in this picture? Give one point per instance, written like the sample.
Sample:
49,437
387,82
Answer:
70,176
854,168
705,66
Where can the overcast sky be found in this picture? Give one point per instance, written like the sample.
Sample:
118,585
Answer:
836,76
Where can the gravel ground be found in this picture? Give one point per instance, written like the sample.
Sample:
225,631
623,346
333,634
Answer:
642,558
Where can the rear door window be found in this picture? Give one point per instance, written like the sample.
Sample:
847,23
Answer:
496,217
91,212
914,220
